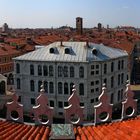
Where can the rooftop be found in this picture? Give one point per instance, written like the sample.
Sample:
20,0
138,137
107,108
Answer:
128,130
79,51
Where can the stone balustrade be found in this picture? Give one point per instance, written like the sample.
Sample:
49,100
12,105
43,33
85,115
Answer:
43,114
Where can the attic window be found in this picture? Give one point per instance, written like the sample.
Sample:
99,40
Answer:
52,50
67,51
94,51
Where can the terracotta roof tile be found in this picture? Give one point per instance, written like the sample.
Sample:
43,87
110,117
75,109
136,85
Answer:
121,130
113,131
6,49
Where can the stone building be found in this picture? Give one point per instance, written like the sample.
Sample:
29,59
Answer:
5,28
135,73
79,25
62,64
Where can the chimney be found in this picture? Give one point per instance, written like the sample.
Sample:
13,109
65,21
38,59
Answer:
87,43
61,43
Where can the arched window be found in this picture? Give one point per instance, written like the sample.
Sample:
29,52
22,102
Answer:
122,78
31,69
39,85
66,89
10,79
118,79
81,72
45,70
71,71
60,71
119,65
50,70
122,64
18,83
112,67
112,82
39,70
71,87
81,89
119,95
105,68
65,71
51,88
32,86
2,87
111,98
17,68
105,82
60,91
46,86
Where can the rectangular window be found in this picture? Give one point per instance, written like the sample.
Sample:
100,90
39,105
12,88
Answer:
105,81
97,82
97,66
60,113
32,101
66,104
81,104
60,71
97,72
92,66
92,90
51,103
51,71
39,70
97,89
92,73
92,101
51,87
97,99
60,104
19,99
92,83
65,71
81,89
18,83
111,98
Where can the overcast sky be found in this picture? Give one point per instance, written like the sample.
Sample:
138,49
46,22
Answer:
56,13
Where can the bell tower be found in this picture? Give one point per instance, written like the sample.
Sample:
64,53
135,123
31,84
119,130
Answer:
79,25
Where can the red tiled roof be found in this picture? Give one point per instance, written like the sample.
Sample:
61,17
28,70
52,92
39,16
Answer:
6,49
18,41
16,131
121,130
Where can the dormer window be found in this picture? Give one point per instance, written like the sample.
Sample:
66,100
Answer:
52,50
67,51
94,51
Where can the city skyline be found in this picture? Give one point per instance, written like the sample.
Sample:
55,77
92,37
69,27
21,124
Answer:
56,13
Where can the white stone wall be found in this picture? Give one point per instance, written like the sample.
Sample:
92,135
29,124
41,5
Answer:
25,77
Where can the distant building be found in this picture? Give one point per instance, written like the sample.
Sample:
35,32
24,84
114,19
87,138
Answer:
3,84
7,52
135,74
61,65
5,28
79,25
99,26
